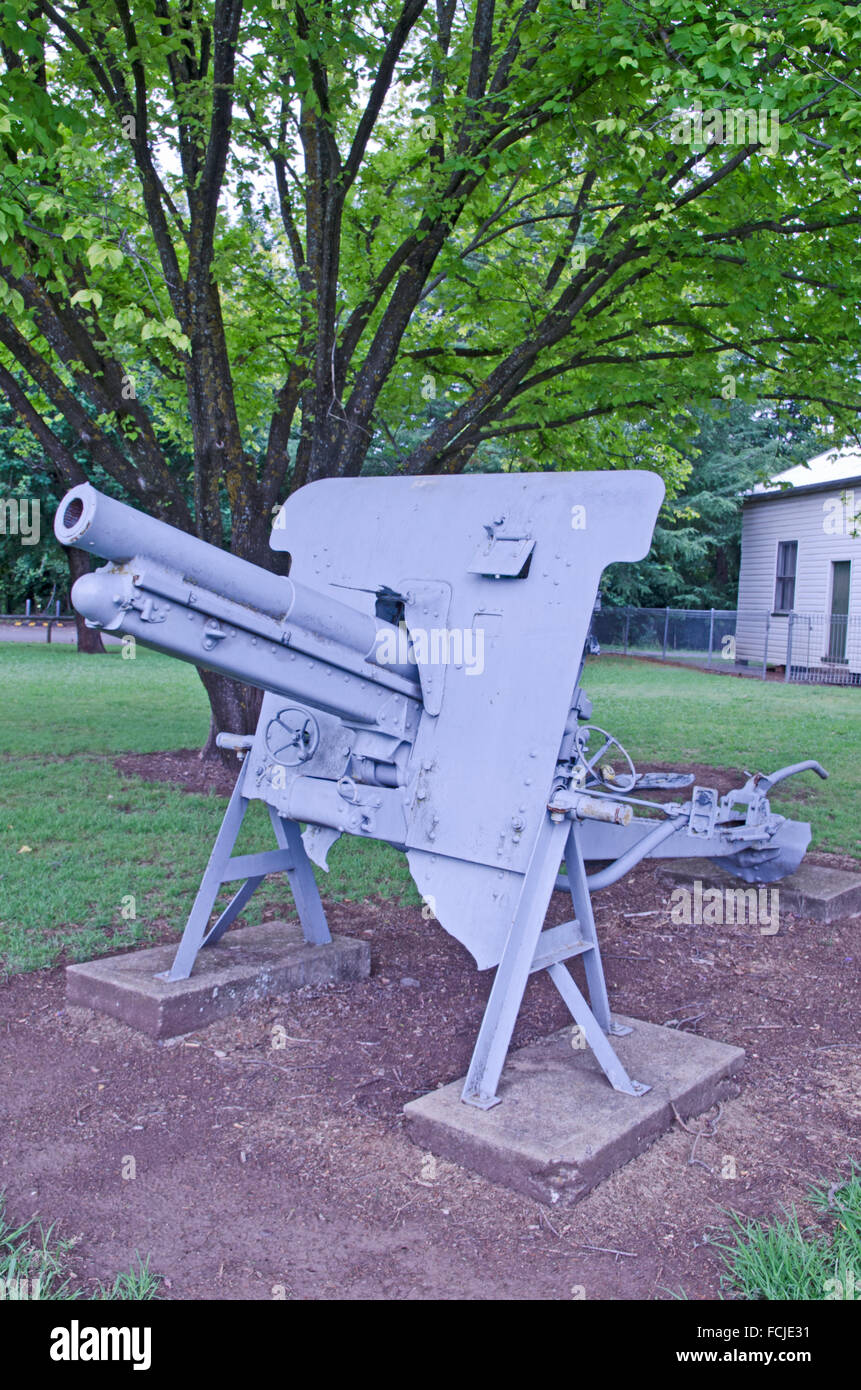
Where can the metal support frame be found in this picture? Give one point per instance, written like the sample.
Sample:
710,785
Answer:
224,867
530,948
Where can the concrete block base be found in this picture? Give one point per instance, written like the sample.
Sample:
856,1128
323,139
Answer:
814,890
247,964
561,1128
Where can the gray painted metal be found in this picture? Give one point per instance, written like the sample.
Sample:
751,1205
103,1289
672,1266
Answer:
421,667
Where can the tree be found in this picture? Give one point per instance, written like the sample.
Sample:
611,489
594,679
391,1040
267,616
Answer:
695,554
297,239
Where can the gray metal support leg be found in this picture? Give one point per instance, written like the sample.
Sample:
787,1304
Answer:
594,1034
513,970
519,959
233,909
576,871
303,884
300,874
210,884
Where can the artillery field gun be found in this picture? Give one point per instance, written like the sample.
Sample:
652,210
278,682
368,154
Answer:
422,668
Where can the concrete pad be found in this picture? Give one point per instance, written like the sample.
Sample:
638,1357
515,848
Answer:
250,963
561,1128
814,890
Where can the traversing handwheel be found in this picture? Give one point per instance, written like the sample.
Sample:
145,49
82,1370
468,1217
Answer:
605,772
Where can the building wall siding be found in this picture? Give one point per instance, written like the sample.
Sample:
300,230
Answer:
811,519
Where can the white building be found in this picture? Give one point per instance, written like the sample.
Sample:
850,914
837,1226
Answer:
799,588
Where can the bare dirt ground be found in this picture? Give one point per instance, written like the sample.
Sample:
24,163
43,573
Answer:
268,1171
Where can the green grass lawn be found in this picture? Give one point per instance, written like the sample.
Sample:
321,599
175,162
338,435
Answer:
35,1264
56,702
78,841
783,1260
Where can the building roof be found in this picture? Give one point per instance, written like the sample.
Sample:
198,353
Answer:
834,468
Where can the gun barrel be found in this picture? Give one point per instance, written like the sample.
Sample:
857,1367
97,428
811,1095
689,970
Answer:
92,521
161,574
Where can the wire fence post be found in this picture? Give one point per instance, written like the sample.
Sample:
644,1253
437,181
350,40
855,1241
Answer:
627,625
765,647
788,667
711,634
666,630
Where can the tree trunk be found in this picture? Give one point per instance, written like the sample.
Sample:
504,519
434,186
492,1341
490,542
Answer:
235,710
89,638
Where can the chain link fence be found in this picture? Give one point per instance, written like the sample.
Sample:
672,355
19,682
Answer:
823,647
810,648
804,647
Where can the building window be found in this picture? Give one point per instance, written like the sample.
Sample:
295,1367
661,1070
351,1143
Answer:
784,588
